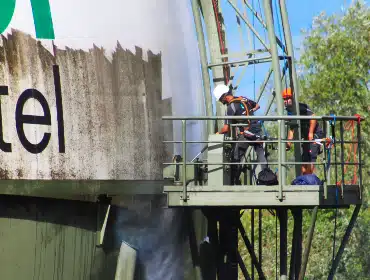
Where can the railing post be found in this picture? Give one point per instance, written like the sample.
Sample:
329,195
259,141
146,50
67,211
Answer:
277,81
326,162
342,156
184,190
359,158
279,163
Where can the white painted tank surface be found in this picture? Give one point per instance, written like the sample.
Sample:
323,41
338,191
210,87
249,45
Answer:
83,87
97,115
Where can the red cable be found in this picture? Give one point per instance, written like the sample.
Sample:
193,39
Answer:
215,10
350,125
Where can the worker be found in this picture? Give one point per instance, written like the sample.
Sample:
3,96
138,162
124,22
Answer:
240,106
310,130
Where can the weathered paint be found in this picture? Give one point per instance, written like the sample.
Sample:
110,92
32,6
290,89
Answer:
111,110
105,102
56,239
164,27
46,239
112,106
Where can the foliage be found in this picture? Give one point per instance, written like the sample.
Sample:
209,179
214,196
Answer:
334,74
334,67
336,60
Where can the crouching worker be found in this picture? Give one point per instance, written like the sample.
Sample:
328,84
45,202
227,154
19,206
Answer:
310,129
240,106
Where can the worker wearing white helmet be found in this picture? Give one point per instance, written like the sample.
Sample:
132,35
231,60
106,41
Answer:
221,91
240,106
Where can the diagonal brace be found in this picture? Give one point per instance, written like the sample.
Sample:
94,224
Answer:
243,268
264,25
248,244
249,25
344,241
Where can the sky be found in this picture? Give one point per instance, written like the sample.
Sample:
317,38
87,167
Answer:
300,14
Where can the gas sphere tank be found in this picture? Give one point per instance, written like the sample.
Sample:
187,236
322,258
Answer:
84,85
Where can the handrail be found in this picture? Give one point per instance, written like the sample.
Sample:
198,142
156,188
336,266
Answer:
279,140
257,163
253,141
271,118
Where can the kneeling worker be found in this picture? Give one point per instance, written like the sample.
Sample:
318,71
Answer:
310,129
240,106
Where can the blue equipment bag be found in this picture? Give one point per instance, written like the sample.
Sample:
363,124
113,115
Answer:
309,179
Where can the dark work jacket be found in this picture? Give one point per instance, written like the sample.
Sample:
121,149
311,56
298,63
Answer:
304,110
237,109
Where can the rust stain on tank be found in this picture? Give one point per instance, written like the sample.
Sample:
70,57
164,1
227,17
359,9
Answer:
58,175
4,174
19,172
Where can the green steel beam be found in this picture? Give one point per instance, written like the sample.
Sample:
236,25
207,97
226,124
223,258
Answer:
308,244
250,196
294,79
283,219
80,189
204,63
214,48
244,53
264,24
248,24
277,82
344,241
251,251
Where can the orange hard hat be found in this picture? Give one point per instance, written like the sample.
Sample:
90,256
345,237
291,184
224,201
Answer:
287,93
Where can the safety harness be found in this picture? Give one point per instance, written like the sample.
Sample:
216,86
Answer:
244,105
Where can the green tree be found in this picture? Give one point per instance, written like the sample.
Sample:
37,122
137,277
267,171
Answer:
335,72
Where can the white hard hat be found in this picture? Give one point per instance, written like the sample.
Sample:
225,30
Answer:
220,90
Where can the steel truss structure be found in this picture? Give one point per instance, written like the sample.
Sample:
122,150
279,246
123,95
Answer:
219,65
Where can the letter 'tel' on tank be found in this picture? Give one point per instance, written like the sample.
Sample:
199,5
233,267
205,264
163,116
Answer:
21,119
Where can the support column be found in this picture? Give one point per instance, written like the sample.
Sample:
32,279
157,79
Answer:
293,80
290,50
260,236
204,63
296,255
208,250
283,218
277,81
214,47
228,258
252,239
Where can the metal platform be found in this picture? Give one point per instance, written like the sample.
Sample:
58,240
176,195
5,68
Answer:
262,196
206,183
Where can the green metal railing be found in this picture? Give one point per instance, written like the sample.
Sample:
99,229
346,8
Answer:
279,140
